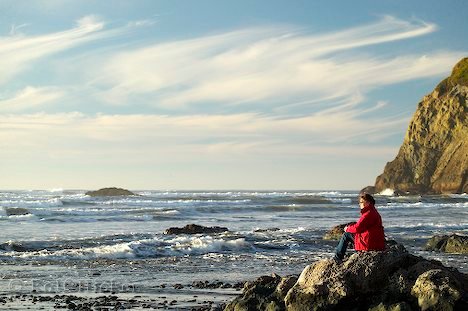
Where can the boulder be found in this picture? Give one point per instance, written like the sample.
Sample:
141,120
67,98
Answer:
432,157
109,192
265,293
448,243
368,189
15,211
400,306
436,290
369,280
389,280
195,229
336,232
13,246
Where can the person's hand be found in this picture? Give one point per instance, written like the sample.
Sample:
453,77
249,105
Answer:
345,228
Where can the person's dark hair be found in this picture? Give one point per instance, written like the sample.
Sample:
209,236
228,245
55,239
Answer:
367,197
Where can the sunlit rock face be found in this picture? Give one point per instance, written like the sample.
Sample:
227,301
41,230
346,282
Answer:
434,155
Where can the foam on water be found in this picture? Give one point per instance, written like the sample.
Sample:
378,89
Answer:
147,248
30,203
387,192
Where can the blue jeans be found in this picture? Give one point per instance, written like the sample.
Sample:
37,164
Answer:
346,238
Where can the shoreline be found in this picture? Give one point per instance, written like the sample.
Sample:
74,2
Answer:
198,296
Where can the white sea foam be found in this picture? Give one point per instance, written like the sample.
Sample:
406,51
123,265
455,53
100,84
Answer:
20,218
426,205
387,192
459,196
428,225
29,203
329,194
179,246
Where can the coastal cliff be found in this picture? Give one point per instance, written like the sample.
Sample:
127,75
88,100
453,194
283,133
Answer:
434,155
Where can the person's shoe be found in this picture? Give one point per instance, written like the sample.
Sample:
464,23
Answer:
337,259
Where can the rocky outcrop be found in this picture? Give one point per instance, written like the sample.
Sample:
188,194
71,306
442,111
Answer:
390,280
265,293
16,211
368,189
109,192
195,229
434,155
448,243
336,232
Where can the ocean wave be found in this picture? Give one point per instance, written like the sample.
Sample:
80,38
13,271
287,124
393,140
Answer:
303,200
429,226
59,244
20,218
89,211
157,247
31,203
459,196
341,200
425,204
330,194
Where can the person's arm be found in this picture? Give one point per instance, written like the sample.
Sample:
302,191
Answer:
362,224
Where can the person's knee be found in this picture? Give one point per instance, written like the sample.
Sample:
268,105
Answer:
349,236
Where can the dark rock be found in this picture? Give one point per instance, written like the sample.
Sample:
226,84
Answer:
109,192
437,290
400,306
448,243
382,280
336,232
265,293
195,229
267,230
389,280
178,286
238,285
13,246
200,284
432,158
16,211
368,189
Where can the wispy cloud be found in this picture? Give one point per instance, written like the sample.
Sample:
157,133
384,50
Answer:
30,97
201,136
19,51
269,90
276,65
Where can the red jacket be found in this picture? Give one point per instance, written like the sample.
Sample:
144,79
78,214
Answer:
368,231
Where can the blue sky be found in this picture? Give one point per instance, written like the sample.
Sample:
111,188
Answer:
215,94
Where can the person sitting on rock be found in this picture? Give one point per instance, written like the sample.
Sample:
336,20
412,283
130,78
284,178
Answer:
367,233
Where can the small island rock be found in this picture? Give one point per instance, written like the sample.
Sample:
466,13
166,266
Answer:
109,192
16,211
195,229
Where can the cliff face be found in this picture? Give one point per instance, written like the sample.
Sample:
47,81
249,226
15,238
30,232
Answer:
434,155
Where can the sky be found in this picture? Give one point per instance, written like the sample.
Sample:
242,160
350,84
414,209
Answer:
245,94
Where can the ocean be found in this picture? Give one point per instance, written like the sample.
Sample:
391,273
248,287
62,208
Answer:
63,241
